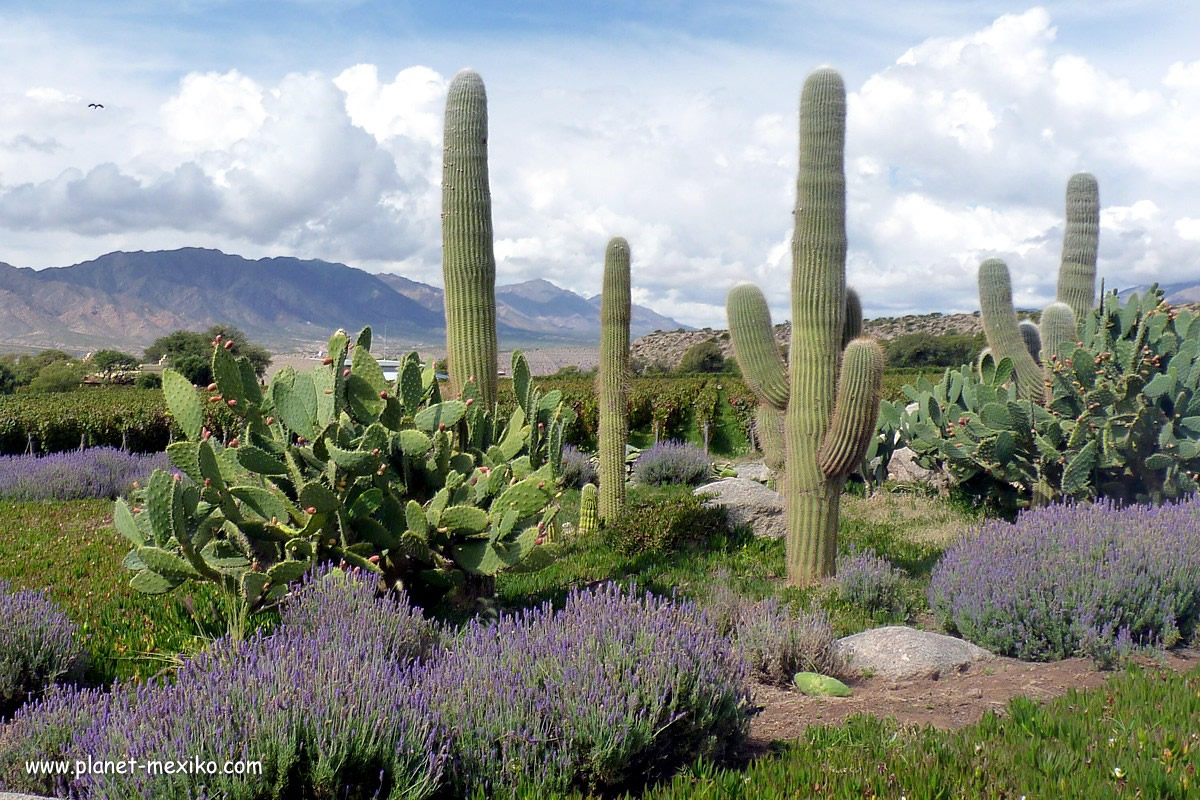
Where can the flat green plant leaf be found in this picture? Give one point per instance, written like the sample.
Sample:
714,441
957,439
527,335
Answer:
816,685
184,403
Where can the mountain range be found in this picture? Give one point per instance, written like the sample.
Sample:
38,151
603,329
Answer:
126,300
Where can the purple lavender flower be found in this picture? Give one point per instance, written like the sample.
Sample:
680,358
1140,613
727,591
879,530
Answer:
37,646
778,644
98,472
671,462
577,468
870,582
1075,579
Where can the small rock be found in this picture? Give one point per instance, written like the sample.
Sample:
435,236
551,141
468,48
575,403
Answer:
897,651
750,503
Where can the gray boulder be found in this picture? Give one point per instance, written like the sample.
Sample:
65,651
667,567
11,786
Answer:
755,471
903,467
748,502
898,652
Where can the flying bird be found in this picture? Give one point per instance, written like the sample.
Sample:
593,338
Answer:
95,105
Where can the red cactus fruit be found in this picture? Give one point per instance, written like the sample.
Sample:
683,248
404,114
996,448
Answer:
212,387
229,345
346,372
232,402
233,442
383,395
327,361
310,510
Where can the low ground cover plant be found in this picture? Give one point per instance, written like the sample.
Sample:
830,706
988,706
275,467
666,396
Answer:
38,646
94,473
663,523
617,687
1080,579
671,462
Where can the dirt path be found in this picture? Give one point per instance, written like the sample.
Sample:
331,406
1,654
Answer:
951,702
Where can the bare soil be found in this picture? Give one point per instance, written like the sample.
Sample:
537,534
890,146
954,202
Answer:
949,702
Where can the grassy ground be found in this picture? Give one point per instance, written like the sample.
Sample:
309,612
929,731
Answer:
70,550
911,530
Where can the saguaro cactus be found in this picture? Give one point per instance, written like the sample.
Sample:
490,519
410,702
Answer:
829,396
613,376
468,261
1081,239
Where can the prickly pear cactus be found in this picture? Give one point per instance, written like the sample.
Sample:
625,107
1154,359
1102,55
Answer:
829,397
1121,418
338,464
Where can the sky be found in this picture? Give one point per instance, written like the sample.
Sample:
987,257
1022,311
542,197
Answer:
313,128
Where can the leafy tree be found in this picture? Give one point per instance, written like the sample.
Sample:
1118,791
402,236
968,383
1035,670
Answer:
148,380
26,367
58,376
8,379
190,352
109,362
703,356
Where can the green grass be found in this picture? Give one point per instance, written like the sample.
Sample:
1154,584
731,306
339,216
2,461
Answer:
909,530
1136,737
70,550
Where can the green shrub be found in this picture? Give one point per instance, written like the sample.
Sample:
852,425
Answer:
58,376
148,380
663,524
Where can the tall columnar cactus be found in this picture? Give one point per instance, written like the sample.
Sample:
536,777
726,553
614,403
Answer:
755,348
468,261
830,397
589,520
613,376
1003,331
1077,275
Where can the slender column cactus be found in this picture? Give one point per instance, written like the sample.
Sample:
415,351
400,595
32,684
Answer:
613,376
755,348
832,398
1081,238
589,521
468,260
1002,329
854,317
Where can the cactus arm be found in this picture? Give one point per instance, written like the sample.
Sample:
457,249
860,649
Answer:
768,428
754,344
854,417
1081,238
1002,330
468,260
613,376
1058,326
854,317
818,321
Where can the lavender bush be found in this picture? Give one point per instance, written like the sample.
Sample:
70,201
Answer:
577,468
671,462
98,472
615,688
778,644
1075,580
37,646
872,583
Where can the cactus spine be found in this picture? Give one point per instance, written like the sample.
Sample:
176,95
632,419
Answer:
589,521
468,260
1081,238
832,397
613,376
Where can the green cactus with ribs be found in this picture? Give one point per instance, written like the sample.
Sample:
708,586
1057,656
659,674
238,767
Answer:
613,377
468,259
1111,408
828,394
589,515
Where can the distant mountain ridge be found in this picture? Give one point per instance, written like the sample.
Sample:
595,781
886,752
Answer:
128,299
1174,293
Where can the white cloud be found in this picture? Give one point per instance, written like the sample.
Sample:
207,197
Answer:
957,150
